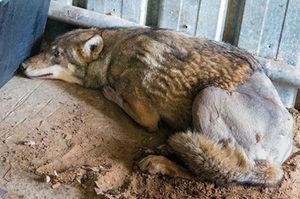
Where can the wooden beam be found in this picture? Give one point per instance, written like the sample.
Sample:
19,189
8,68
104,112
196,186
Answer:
85,18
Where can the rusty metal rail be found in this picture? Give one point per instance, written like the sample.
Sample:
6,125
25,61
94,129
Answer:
85,18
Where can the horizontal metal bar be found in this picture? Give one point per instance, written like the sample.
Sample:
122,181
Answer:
85,18
281,72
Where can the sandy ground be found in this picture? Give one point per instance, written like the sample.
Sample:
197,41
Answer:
89,149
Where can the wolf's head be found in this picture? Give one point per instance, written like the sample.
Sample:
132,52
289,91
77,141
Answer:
67,58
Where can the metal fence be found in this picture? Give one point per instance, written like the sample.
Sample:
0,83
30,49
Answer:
267,28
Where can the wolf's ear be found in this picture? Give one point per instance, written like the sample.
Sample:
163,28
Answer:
92,47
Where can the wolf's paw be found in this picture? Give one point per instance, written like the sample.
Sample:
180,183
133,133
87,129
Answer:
110,94
165,150
155,164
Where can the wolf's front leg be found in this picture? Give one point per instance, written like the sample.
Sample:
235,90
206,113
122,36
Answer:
110,94
156,164
137,107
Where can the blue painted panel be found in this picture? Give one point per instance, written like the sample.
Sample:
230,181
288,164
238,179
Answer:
21,24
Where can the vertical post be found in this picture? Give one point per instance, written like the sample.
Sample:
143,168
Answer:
152,13
233,22
81,3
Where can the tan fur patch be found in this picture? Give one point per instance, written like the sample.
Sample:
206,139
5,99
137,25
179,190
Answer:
211,161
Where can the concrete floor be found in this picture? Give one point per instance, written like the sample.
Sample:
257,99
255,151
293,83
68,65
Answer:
71,126
93,146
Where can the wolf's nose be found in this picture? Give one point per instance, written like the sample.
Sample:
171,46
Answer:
23,66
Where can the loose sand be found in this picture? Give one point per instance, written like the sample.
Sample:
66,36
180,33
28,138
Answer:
93,147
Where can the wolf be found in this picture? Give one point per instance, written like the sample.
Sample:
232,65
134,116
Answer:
241,131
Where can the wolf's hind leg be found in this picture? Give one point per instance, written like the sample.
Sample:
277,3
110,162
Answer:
155,164
136,106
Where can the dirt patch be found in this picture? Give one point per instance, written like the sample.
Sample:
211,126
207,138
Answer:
141,185
84,141
147,186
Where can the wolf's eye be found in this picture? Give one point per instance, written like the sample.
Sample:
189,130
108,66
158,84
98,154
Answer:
57,53
93,47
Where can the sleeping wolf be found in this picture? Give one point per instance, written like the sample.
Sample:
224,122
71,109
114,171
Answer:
242,132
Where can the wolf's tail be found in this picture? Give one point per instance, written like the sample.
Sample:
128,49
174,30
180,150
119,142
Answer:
221,164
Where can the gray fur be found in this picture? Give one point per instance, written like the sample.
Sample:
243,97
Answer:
249,129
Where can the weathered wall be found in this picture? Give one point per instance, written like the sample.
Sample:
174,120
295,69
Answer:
271,29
